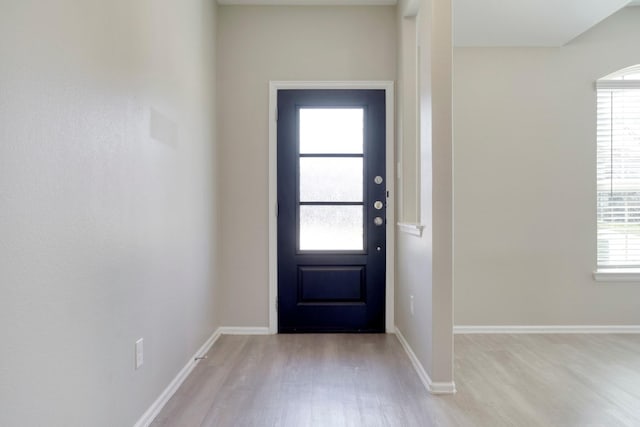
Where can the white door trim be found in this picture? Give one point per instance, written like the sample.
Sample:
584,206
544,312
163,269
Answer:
388,87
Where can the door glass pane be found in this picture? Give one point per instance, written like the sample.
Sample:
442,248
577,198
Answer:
331,179
331,228
331,130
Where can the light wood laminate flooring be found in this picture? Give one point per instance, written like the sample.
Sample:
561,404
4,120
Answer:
367,380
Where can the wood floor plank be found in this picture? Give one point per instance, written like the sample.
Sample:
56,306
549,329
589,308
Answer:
367,380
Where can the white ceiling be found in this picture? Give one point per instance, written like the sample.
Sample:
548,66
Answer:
309,2
499,23
527,22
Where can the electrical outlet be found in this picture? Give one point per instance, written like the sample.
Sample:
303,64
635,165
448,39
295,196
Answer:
411,304
139,353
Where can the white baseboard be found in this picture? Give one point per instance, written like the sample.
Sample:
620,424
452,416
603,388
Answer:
432,387
244,330
155,408
551,329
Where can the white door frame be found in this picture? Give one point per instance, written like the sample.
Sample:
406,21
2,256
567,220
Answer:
388,87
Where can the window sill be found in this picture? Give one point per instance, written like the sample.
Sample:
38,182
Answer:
413,229
617,275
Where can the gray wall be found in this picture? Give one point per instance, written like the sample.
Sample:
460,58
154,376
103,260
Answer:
525,176
107,233
424,263
256,45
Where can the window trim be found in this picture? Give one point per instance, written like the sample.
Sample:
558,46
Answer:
617,275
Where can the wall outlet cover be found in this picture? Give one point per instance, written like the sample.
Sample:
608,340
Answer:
139,353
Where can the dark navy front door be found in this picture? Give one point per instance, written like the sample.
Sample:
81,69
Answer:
331,210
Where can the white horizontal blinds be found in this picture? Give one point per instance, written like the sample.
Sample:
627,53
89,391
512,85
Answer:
618,173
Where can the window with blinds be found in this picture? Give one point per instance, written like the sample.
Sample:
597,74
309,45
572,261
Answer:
618,170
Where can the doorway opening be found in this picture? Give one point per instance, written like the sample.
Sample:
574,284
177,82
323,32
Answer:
331,188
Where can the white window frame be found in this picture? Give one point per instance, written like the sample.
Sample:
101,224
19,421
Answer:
618,80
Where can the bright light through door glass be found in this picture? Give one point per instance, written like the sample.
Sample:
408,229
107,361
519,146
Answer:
331,179
331,228
331,170
331,130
